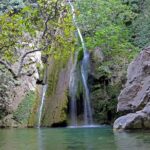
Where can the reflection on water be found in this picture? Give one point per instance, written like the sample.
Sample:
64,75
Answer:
17,139
73,139
139,140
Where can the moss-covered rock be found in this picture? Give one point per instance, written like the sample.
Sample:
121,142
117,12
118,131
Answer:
56,100
33,117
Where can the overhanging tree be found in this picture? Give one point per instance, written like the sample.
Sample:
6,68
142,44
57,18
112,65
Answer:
49,22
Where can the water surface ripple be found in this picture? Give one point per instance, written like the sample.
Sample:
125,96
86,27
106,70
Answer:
98,138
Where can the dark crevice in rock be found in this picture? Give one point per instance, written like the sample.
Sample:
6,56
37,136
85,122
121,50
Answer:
60,124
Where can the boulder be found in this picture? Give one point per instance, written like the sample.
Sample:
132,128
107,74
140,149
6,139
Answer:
135,97
8,121
137,120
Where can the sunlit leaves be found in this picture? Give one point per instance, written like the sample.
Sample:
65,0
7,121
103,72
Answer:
13,27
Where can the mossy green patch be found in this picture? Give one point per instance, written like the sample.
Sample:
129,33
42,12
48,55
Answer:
22,114
80,55
33,117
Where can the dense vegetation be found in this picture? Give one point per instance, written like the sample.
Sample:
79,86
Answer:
141,24
104,25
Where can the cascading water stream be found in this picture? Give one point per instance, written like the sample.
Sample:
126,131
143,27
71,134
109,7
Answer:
72,92
41,105
88,120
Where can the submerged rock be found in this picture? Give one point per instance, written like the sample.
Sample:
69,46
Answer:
134,98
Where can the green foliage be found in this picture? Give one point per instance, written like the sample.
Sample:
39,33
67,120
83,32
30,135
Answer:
80,55
141,26
96,14
104,71
104,24
105,111
137,5
105,102
65,40
13,26
24,109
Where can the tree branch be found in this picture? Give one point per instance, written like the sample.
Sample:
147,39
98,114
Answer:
24,56
49,17
8,67
16,75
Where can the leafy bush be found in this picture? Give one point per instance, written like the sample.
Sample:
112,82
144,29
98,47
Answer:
141,26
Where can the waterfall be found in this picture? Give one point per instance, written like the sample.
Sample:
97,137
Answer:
88,120
72,92
41,105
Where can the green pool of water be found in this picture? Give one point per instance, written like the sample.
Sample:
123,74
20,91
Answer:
73,139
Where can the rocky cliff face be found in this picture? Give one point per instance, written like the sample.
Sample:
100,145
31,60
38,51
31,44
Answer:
17,97
134,100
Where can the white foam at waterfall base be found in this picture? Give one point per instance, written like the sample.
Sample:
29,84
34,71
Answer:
87,126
